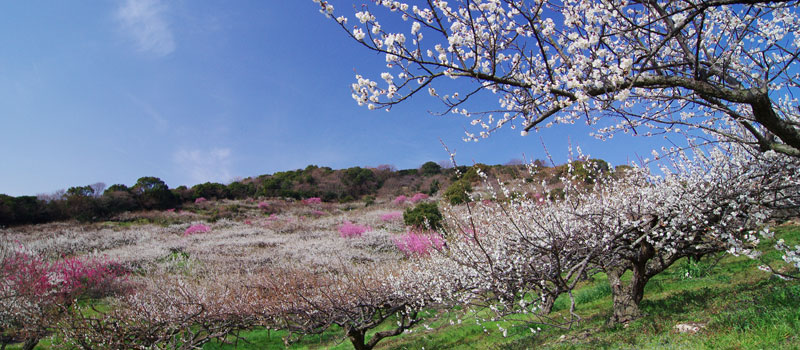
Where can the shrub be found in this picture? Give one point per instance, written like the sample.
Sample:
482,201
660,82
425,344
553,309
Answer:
424,215
556,194
434,187
430,168
350,230
458,192
369,200
197,228
419,244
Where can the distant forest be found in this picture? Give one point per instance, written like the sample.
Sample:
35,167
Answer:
97,203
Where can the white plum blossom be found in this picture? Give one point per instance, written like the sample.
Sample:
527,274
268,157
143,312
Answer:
622,66
358,34
523,251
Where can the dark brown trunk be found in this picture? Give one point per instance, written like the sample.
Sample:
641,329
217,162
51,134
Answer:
357,338
30,344
626,296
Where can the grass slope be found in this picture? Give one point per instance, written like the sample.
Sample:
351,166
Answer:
737,306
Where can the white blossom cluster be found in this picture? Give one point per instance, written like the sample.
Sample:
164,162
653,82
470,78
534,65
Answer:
291,239
522,251
620,65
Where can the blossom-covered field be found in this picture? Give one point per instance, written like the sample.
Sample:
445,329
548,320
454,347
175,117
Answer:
252,241
166,263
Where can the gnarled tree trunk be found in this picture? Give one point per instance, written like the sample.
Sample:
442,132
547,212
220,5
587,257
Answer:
30,343
626,295
357,337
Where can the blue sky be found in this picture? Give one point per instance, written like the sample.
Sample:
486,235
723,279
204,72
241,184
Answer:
196,91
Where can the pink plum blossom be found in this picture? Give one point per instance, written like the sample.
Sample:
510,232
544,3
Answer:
418,197
350,230
196,228
418,244
312,200
30,274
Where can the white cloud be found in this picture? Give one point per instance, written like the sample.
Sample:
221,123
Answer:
204,165
144,22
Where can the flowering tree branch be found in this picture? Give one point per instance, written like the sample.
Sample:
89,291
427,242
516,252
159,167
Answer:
618,64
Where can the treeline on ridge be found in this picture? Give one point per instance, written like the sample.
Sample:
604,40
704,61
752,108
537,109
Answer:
95,202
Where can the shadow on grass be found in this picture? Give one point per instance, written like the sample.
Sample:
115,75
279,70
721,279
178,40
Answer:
679,303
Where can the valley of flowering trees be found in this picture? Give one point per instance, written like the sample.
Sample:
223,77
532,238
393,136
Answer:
721,73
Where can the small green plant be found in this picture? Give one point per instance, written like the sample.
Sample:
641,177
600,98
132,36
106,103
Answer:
694,268
424,215
369,200
458,192
435,186
556,194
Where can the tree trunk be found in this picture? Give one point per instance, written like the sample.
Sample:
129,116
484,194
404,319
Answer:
626,295
357,337
30,343
547,304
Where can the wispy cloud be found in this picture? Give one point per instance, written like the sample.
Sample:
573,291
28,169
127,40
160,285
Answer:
145,23
159,121
205,165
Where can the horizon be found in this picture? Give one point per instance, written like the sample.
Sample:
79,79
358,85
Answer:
194,92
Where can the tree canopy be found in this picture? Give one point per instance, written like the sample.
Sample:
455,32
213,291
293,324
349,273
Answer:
643,66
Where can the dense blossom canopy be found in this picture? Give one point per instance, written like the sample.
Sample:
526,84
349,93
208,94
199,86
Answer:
623,66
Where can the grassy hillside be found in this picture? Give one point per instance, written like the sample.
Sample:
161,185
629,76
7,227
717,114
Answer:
732,303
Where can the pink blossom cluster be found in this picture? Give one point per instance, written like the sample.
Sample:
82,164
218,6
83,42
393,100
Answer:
419,244
29,274
393,216
312,200
418,197
263,205
319,213
200,200
196,228
400,199
350,230
273,217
